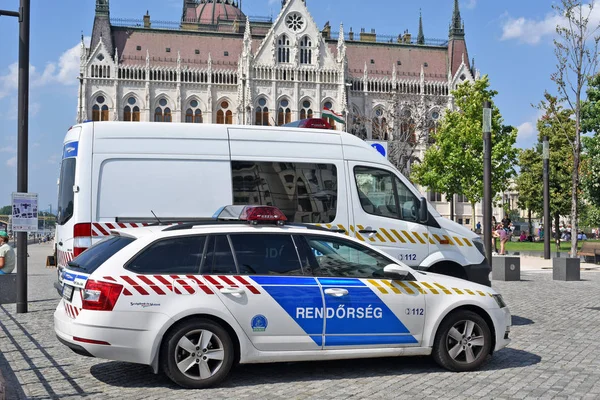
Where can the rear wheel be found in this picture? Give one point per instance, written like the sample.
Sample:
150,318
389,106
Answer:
463,341
197,354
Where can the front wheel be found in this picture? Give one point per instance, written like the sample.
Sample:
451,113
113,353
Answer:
463,341
197,354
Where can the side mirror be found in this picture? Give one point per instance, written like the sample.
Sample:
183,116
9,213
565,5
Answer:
423,212
394,271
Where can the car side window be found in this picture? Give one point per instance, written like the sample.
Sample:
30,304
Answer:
341,258
409,204
266,254
219,258
178,255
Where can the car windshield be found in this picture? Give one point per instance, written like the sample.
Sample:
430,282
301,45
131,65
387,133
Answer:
98,254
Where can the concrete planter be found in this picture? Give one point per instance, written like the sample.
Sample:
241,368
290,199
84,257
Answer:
566,269
506,268
8,289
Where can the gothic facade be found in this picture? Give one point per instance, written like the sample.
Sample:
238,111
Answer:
217,65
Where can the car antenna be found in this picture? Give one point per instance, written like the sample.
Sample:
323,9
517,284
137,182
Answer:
160,223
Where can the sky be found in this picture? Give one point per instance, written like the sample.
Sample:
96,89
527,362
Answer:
511,41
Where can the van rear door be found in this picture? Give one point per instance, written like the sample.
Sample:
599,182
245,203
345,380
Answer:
385,213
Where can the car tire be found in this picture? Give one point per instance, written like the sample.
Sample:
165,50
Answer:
197,353
463,341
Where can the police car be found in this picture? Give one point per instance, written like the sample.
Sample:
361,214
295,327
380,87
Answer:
193,299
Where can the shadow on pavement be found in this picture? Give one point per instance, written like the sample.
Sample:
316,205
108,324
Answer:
520,321
128,375
13,388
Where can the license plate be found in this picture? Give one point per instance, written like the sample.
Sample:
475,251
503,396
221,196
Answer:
67,292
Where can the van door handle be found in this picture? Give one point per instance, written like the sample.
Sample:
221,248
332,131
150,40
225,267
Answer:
367,231
335,292
235,292
60,243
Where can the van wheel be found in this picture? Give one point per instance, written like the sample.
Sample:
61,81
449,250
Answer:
463,341
197,354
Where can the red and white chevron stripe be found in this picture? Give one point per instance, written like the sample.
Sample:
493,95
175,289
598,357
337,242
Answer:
64,257
104,228
220,281
72,311
146,285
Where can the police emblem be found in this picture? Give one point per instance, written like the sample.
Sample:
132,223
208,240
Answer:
259,323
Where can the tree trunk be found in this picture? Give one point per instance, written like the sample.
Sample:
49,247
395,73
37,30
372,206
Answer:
556,235
574,194
473,217
530,223
452,208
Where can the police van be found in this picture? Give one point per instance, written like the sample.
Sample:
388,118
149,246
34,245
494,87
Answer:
193,299
124,175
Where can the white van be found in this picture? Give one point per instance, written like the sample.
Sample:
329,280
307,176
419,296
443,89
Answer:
120,174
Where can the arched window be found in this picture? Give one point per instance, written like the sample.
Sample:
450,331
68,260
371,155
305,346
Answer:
162,113
305,50
407,127
379,126
284,114
329,106
262,113
306,110
224,115
193,114
131,112
283,49
100,109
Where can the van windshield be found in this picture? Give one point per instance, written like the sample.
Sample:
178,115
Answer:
65,190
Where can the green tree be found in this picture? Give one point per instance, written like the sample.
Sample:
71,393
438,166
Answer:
6,210
590,123
529,182
454,163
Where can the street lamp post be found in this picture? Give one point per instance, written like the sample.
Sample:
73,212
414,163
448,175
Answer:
546,173
23,132
487,180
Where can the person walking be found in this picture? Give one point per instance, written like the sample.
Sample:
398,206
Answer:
494,225
7,255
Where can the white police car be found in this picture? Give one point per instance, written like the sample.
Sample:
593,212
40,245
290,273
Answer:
193,299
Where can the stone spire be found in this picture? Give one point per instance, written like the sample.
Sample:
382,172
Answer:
420,36
341,45
457,27
102,29
102,7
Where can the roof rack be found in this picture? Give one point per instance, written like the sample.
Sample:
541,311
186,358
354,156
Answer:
191,225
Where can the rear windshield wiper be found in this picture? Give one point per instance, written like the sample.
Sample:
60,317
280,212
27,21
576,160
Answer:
73,264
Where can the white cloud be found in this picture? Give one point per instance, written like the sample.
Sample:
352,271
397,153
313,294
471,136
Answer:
11,162
64,72
532,31
8,149
527,130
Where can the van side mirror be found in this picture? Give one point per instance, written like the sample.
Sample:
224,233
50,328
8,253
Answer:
394,271
423,212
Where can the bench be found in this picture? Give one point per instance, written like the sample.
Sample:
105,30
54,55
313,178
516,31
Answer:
8,289
590,252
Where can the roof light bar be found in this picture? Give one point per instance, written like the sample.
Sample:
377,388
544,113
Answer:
252,214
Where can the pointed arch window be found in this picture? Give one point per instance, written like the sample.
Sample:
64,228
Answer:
224,114
306,50
328,105
261,116
131,112
193,114
100,109
306,111
284,113
379,125
283,49
407,127
162,113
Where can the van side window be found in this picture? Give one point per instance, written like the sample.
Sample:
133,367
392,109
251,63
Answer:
179,255
381,193
305,192
266,254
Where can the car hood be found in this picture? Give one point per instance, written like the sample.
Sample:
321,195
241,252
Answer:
452,282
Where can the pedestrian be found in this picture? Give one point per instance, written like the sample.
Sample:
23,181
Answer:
494,244
7,255
501,234
478,226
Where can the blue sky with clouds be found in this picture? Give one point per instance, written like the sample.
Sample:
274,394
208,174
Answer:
511,41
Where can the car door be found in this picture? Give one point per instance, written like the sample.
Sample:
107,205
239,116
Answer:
362,307
259,278
385,214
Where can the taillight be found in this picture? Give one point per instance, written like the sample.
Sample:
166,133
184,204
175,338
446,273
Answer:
101,296
82,238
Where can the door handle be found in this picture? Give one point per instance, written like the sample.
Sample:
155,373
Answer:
335,292
60,243
368,231
236,292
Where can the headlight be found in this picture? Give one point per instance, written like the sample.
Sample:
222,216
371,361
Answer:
499,300
479,244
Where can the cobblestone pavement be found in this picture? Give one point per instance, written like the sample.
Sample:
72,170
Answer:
555,353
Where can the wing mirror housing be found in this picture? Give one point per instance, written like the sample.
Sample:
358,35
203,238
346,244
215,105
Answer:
423,212
395,271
